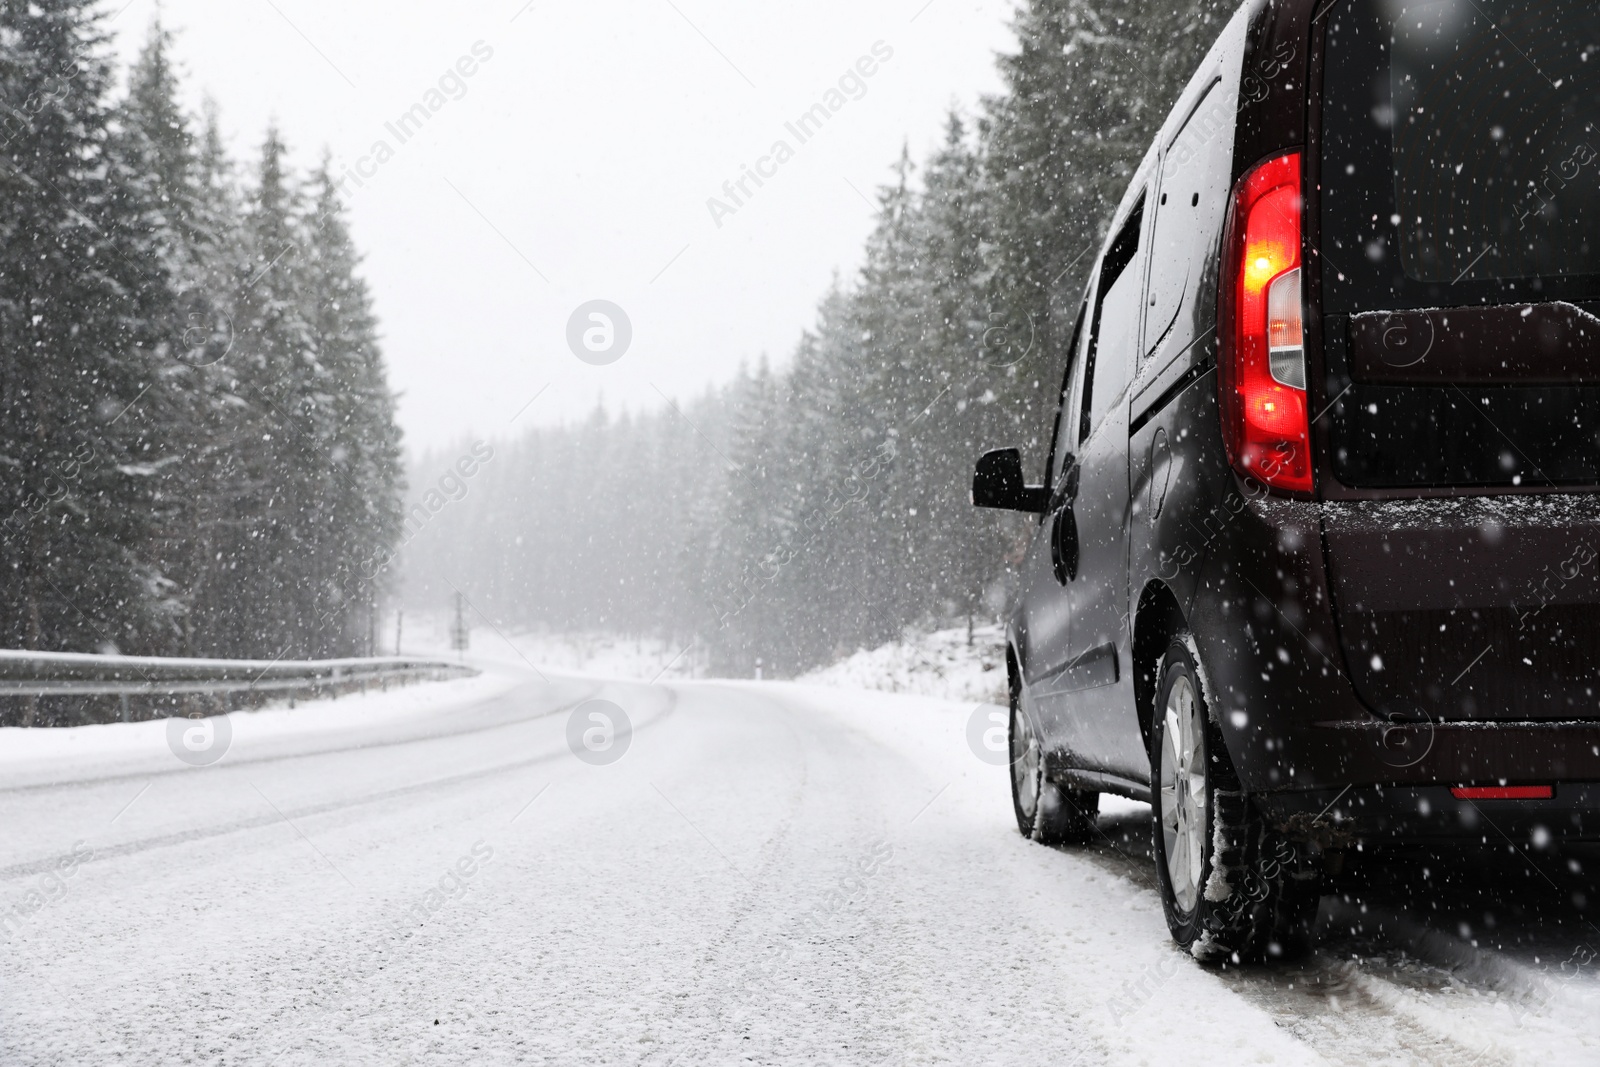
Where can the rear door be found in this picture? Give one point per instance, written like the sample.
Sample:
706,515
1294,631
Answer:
1459,222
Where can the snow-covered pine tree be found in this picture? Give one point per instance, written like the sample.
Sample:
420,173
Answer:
276,502
756,560
79,283
187,228
198,442
979,358
354,407
815,585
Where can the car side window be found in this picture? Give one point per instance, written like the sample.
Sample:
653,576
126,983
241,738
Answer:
1060,444
1114,326
1178,209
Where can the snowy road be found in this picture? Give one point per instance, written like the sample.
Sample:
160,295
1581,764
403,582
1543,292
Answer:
769,873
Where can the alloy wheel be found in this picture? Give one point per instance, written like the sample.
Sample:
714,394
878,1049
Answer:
1183,793
1024,763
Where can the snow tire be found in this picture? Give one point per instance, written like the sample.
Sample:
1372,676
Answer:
1046,811
1251,893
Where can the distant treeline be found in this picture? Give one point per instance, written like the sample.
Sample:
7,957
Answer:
796,514
196,436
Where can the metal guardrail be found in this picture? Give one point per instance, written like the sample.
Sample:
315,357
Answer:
73,673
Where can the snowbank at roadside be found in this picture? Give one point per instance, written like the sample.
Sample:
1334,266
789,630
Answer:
37,752
940,664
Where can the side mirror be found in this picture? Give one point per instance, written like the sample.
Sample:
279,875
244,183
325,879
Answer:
998,483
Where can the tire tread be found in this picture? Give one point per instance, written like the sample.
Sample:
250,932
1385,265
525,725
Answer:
1260,895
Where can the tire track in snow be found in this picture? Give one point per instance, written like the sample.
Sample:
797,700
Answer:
280,757
1347,1010
757,890
181,837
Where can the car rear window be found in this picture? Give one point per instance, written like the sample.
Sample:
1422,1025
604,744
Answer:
1461,152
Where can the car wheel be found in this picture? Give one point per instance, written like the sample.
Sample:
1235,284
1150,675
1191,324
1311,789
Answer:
1046,812
1233,889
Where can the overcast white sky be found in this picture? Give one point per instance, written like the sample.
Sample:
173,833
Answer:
589,142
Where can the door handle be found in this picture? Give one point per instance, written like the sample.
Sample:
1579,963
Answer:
1064,544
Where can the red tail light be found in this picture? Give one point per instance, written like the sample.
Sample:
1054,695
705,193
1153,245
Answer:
1502,792
1261,367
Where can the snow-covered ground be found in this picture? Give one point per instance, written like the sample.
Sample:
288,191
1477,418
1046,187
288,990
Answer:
754,873
943,663
643,659
43,755
939,664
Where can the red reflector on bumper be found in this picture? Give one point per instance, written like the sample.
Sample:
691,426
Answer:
1502,792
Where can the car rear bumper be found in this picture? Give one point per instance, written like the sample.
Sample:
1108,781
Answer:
1396,782
1337,818
1279,684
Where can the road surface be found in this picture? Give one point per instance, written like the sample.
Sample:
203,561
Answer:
756,873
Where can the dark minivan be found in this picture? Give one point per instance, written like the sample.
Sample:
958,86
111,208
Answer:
1317,564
